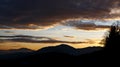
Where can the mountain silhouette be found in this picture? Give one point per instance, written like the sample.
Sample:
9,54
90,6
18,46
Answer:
14,53
63,54
22,50
64,48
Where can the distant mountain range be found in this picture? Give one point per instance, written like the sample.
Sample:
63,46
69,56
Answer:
59,55
62,49
14,53
21,50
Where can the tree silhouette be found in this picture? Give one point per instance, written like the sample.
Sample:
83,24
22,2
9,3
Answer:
112,40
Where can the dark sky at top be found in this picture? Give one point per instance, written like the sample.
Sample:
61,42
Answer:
48,12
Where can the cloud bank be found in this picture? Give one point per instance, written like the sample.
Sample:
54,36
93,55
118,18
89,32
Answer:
88,25
33,39
33,14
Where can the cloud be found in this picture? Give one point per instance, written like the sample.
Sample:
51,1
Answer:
33,39
69,36
9,32
32,14
88,24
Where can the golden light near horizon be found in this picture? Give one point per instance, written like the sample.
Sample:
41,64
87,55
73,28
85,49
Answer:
37,46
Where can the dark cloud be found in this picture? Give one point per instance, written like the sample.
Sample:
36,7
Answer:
9,32
86,25
33,39
21,13
69,36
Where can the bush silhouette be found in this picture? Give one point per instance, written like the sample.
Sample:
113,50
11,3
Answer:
112,40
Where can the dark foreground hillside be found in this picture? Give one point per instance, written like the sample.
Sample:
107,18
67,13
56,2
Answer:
95,55
62,54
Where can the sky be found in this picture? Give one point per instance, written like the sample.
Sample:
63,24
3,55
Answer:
36,24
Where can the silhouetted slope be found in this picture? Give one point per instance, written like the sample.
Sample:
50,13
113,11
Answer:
63,48
14,53
22,50
58,49
63,54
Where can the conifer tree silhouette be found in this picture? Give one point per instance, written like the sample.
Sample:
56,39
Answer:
112,40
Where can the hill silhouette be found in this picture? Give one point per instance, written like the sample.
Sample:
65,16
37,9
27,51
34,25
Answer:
64,48
66,55
11,51
14,53
63,54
